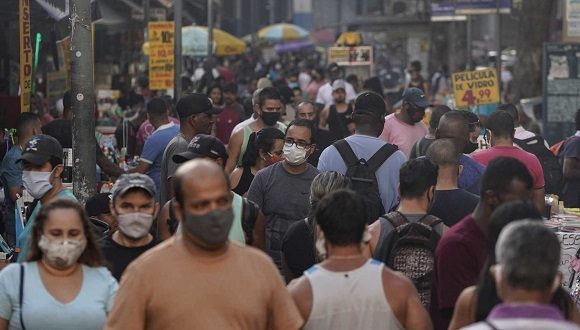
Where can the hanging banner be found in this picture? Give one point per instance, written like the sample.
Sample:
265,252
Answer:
25,55
475,87
161,42
360,55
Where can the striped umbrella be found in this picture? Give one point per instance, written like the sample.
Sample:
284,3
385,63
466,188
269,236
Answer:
282,32
194,42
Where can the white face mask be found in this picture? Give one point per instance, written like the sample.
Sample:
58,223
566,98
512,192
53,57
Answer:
36,183
135,225
295,156
62,253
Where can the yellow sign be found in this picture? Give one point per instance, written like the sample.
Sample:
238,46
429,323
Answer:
361,55
161,38
475,87
25,55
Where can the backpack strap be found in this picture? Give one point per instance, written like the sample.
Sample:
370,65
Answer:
396,219
381,156
250,211
418,149
346,152
430,220
21,295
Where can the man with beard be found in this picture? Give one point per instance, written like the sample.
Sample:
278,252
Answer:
133,206
405,128
269,109
338,116
322,138
195,113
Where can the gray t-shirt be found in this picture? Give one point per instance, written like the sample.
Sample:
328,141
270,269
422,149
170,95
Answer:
283,198
168,166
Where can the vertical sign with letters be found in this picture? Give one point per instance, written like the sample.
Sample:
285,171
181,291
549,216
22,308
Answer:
161,41
25,55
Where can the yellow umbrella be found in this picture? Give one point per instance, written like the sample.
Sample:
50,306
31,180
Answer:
194,42
282,32
349,39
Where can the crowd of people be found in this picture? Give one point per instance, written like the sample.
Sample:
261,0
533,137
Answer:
310,205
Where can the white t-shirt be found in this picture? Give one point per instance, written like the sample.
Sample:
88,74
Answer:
324,95
41,310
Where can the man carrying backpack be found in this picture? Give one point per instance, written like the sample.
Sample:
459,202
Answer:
371,164
405,240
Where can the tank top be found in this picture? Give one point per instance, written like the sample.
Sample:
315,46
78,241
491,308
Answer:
349,300
245,181
337,122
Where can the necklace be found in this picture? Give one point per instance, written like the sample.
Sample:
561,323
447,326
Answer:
355,256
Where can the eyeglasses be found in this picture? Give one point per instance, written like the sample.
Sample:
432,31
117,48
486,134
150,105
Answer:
299,144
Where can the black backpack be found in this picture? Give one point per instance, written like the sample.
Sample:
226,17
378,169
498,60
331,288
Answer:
551,166
411,249
362,174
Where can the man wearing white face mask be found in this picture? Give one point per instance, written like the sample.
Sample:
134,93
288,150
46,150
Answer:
42,167
134,207
282,190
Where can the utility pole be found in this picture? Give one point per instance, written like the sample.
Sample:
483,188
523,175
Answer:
498,39
272,5
177,17
469,47
82,92
146,29
209,28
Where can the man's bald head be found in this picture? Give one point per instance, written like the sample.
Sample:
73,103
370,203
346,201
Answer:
454,125
200,171
443,153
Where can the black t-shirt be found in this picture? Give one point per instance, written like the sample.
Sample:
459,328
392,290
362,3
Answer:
323,139
453,205
61,130
119,257
298,248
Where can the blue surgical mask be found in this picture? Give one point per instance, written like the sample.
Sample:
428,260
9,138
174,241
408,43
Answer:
37,183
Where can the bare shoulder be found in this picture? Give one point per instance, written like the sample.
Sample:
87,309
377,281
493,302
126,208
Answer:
301,292
397,281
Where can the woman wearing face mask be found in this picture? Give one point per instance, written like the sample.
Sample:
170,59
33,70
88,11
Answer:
63,283
264,149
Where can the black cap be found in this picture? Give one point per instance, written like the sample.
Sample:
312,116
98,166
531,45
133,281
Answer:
98,204
370,103
40,149
415,96
195,103
202,146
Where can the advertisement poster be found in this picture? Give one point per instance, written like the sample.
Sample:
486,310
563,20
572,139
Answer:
361,55
475,87
161,41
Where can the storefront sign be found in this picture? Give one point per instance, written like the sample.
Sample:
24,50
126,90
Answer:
482,7
25,55
475,87
361,55
161,40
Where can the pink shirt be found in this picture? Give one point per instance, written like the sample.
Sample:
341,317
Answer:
402,134
528,159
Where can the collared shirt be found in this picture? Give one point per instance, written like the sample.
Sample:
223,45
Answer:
524,316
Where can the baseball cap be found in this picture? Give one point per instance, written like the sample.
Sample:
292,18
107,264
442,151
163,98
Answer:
370,103
195,103
133,180
202,146
415,96
40,149
332,67
98,204
338,84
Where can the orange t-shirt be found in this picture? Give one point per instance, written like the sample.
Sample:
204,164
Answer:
173,287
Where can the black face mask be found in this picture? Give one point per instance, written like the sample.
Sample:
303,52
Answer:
470,147
270,118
